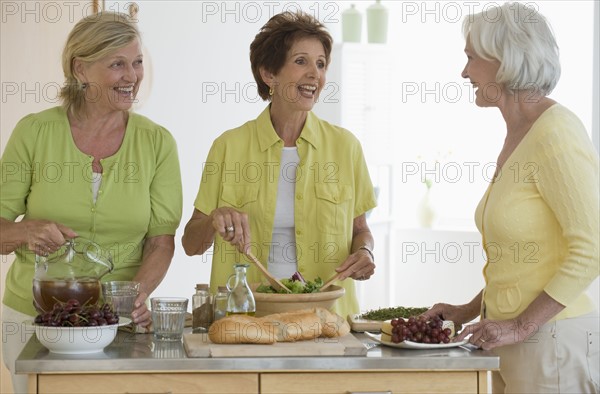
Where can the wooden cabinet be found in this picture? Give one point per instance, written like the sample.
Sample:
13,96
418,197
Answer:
463,382
370,382
154,383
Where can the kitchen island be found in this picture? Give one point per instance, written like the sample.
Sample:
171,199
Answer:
135,363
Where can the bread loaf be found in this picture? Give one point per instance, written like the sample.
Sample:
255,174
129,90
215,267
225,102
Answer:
280,327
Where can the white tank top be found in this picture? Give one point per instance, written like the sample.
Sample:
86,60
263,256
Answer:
282,256
96,181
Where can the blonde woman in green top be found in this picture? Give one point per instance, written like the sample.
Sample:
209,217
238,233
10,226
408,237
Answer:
289,186
90,168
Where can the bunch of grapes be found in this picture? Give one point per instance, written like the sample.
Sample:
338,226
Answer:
418,329
73,314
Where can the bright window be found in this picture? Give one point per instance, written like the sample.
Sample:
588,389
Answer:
437,131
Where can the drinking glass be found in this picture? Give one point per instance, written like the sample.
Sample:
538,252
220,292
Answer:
168,317
121,294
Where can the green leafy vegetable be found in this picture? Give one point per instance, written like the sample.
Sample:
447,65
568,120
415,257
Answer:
393,312
296,286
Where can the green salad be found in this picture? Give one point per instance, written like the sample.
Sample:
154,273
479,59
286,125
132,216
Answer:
296,284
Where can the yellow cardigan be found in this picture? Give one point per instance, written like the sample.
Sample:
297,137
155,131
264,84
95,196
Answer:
539,220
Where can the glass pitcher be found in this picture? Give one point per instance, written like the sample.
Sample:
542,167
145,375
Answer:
240,300
73,271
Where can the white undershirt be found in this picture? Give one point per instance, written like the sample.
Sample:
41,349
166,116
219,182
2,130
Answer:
282,256
96,181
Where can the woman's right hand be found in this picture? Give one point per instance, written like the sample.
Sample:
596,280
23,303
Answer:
456,313
45,237
233,226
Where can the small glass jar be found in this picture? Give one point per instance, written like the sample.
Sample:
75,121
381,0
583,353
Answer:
240,300
220,303
202,310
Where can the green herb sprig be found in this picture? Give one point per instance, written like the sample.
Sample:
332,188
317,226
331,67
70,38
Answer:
392,312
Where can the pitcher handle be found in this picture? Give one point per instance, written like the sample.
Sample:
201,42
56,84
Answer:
230,287
39,259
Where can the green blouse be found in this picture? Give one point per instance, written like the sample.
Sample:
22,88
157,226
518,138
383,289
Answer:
45,176
332,188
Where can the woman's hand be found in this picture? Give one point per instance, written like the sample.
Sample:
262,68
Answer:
489,334
459,314
233,226
358,266
45,237
140,314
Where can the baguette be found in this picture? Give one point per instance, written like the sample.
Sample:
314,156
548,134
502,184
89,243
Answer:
294,326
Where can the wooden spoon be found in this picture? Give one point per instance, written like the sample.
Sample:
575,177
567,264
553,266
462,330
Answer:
330,282
273,281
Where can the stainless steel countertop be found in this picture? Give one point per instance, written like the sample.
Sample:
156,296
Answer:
139,352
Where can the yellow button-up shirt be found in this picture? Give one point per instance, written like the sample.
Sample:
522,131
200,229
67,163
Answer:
332,188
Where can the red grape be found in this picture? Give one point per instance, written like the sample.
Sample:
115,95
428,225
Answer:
418,329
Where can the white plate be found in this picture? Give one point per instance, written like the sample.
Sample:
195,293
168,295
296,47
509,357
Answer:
415,345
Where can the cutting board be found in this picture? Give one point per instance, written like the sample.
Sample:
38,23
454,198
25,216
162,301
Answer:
361,325
199,345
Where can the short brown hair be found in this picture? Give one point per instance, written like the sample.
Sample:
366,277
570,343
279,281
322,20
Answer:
271,45
91,39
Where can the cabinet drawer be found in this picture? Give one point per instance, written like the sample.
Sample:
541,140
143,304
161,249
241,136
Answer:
246,383
393,382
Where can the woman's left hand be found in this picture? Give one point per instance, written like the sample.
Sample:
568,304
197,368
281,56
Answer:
358,266
141,315
489,334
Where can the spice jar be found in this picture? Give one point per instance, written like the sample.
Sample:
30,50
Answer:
220,303
202,310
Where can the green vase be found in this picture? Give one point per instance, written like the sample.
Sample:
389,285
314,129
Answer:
351,25
377,23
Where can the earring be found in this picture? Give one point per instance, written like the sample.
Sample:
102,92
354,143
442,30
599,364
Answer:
270,91
84,86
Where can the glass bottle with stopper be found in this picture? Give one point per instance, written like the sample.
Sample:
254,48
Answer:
240,300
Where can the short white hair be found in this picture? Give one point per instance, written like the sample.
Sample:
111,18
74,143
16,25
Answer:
521,39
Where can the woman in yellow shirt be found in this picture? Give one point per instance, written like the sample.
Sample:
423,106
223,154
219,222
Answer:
289,186
538,218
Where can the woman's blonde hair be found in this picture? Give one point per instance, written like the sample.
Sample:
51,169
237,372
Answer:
92,38
521,39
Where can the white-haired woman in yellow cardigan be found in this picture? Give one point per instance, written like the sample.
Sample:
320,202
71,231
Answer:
538,218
